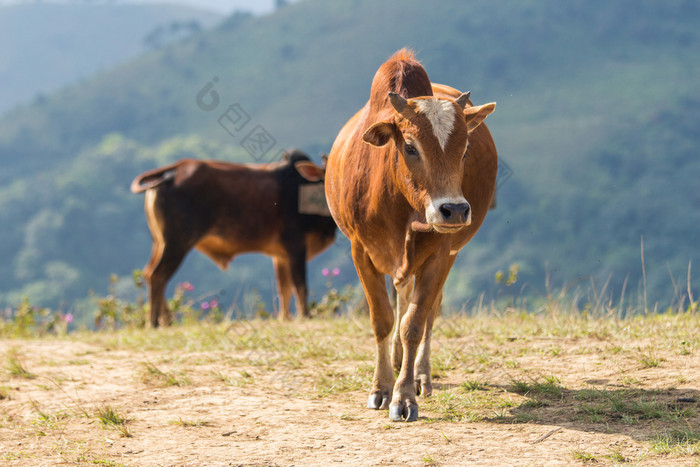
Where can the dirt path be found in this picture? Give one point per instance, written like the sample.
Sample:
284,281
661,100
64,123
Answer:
205,408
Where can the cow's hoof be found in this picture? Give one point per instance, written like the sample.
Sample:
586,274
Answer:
378,401
424,388
399,412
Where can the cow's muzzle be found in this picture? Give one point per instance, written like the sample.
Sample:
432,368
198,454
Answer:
456,212
449,216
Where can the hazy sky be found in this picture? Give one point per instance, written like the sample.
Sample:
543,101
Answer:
220,6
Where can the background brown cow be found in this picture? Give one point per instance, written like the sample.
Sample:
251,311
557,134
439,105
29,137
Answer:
224,209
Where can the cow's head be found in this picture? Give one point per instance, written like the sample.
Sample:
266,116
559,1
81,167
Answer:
431,137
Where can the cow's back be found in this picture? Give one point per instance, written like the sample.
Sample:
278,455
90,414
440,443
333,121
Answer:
222,209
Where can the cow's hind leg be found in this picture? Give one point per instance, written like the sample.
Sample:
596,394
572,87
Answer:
382,318
284,287
158,272
155,298
424,385
166,256
297,267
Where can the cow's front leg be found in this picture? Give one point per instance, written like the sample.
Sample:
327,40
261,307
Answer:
382,319
403,299
428,285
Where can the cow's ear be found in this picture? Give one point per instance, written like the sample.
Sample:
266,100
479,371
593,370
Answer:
475,115
380,133
310,171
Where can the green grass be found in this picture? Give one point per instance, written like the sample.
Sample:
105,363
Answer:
152,374
548,386
616,456
337,381
683,441
242,379
650,360
79,361
111,418
43,417
628,406
107,462
428,460
349,417
583,456
474,385
15,366
460,405
190,423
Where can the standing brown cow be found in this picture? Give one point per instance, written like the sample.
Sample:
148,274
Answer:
224,209
409,181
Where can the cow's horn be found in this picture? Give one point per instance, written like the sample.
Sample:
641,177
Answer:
463,99
398,102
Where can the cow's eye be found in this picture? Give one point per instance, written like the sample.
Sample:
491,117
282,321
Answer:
411,150
465,152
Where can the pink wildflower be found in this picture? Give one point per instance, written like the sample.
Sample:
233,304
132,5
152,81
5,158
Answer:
68,318
325,272
214,303
336,271
205,305
187,286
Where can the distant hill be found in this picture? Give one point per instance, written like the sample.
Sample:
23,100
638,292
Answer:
46,46
597,109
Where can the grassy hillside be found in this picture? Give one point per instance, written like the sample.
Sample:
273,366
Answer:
596,104
69,42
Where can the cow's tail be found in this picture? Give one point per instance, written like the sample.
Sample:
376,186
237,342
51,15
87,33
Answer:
153,178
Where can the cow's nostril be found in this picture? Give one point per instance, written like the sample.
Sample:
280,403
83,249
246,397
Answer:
455,211
446,211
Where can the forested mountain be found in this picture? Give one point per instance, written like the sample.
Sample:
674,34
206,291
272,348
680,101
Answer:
44,46
597,119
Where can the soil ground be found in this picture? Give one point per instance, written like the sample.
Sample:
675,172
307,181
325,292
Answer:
525,399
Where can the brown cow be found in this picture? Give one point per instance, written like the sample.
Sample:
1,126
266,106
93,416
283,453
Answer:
224,209
397,182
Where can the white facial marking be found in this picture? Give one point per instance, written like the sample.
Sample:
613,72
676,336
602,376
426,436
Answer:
441,115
